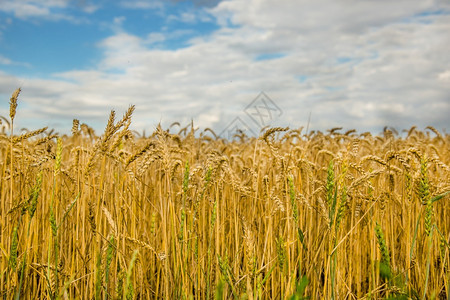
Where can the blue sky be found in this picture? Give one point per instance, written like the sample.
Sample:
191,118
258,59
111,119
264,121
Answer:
351,64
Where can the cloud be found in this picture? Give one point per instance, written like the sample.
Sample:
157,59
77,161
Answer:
142,4
4,60
50,10
357,64
8,62
186,15
444,76
88,7
200,3
25,9
190,16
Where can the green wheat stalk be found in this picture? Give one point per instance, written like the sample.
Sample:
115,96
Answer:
385,264
129,285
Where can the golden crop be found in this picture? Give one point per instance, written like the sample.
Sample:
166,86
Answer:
188,215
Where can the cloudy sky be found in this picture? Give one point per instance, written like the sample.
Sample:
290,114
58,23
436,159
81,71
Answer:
355,64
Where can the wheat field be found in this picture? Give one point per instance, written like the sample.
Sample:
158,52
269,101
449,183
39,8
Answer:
184,214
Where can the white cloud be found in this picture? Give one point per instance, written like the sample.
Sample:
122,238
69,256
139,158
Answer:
155,37
25,9
142,4
90,8
362,64
52,10
4,60
191,16
8,62
185,17
445,76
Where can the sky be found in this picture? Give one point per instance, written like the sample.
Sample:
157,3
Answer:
227,65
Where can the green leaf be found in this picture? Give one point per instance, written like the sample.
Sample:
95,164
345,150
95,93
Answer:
301,237
300,289
439,197
385,271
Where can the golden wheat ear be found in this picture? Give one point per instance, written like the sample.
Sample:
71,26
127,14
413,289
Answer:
13,104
